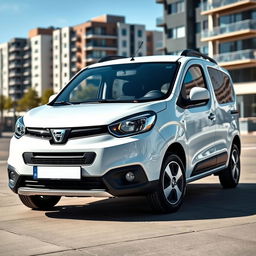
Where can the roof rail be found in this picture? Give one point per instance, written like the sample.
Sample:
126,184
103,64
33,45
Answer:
194,53
114,57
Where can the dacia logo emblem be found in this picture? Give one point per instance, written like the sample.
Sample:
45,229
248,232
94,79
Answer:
58,135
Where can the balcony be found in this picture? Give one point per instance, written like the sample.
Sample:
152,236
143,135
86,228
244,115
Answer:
226,6
14,82
27,55
238,59
95,46
73,48
230,31
27,72
91,34
160,22
26,64
14,57
14,74
73,68
26,81
14,48
15,65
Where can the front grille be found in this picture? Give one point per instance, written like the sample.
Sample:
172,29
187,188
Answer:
74,132
60,159
86,183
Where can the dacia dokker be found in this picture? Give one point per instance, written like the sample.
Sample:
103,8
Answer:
129,127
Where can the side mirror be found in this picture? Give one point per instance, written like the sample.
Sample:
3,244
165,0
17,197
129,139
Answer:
51,98
198,94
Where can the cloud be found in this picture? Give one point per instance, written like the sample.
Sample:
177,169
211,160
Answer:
11,8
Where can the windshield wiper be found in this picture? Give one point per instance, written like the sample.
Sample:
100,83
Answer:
62,103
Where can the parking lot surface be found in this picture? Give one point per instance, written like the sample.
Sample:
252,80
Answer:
212,220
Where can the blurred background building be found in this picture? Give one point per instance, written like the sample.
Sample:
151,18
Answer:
224,29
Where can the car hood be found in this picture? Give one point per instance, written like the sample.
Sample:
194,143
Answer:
92,114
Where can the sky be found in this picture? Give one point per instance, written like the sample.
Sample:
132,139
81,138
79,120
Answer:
17,17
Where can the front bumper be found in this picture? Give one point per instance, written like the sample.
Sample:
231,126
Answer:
111,184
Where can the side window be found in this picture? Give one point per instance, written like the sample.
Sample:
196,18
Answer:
193,78
221,85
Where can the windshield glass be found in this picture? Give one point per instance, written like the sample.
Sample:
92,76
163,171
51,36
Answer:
133,82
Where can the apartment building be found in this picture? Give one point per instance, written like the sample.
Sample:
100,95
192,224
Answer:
41,59
79,46
182,23
4,69
155,43
64,56
231,36
224,29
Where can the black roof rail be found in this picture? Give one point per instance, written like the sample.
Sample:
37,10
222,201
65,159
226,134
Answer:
114,57
194,53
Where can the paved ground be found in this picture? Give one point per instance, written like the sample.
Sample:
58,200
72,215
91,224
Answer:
212,221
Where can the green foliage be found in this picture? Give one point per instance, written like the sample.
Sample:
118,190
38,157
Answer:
46,94
5,102
28,101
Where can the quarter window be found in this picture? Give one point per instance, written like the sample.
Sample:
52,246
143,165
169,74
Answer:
221,85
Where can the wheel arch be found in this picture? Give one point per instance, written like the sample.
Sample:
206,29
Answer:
178,149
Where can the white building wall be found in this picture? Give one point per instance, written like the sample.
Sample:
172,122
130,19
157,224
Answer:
41,63
56,49
139,36
65,55
4,70
123,50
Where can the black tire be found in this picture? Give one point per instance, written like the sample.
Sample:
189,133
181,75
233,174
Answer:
171,187
229,178
39,202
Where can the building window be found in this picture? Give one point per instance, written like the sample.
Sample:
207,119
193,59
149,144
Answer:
204,49
56,38
139,33
65,45
65,55
205,24
124,43
124,32
36,51
65,74
177,32
176,7
124,54
36,42
198,27
56,66
64,35
65,65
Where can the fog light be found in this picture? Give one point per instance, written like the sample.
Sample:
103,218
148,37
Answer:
12,177
130,176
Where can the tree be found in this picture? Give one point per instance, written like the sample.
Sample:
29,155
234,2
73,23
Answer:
46,94
28,101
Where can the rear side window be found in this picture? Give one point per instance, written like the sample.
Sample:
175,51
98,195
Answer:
221,85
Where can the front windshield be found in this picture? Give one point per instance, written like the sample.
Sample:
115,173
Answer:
133,82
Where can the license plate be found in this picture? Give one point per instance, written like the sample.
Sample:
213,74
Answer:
44,172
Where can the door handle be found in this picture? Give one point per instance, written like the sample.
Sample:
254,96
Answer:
211,116
234,112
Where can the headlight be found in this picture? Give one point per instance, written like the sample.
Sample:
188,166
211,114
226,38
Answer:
133,125
19,128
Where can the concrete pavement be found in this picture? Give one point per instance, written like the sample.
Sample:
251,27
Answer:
212,221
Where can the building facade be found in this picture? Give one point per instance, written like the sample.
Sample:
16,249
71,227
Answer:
155,43
226,30
182,23
231,36
50,57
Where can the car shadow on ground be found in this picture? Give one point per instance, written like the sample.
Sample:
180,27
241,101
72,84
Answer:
202,201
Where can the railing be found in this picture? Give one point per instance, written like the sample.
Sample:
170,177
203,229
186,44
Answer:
229,28
93,33
218,3
160,21
249,54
